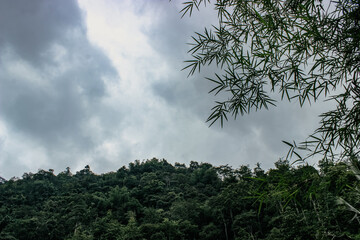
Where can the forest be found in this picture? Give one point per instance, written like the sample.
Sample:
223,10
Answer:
156,200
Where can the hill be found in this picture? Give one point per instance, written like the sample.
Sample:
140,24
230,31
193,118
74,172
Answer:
154,199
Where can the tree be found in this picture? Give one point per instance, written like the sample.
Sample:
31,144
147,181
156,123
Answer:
2,180
303,50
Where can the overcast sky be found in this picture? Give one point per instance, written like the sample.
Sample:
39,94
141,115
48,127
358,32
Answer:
100,83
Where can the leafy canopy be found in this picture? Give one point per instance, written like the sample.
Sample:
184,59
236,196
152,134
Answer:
302,50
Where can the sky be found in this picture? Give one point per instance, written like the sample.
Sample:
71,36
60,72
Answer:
100,83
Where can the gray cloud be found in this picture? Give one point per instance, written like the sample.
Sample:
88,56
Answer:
52,79
256,137
31,26
62,104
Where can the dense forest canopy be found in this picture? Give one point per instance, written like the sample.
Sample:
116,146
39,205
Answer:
154,199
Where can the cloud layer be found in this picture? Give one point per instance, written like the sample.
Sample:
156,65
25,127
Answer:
100,83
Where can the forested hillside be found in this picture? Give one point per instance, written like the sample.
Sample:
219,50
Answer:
156,200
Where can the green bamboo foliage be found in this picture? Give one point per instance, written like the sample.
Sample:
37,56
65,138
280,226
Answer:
302,51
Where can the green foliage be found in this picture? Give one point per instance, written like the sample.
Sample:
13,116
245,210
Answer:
155,200
301,50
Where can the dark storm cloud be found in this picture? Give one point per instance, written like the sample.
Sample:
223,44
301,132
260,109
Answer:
31,26
51,77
